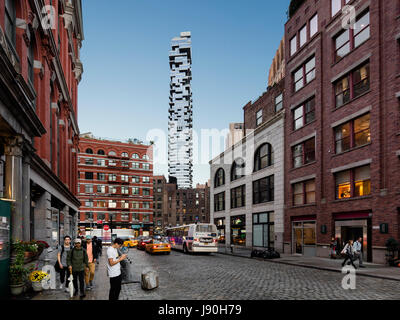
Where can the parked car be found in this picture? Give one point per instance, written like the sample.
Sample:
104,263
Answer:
158,245
142,243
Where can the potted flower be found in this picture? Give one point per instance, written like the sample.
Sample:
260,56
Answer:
18,276
36,277
17,272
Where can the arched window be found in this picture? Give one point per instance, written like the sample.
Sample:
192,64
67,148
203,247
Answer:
10,22
135,156
146,157
101,152
219,178
264,157
125,155
89,151
112,153
237,170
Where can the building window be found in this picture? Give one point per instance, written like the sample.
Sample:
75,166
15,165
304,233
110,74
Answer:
101,204
89,203
89,162
135,156
125,190
88,216
313,25
112,163
220,224
264,157
304,75
337,5
112,189
125,164
124,204
112,177
101,176
101,189
238,230
146,205
353,183
88,188
89,151
135,165
259,117
219,202
238,197
219,178
146,157
112,204
237,170
125,155
101,153
304,114
100,216
10,21
146,166
303,153
303,36
101,163
263,230
31,59
353,134
135,190
351,38
146,179
293,45
304,193
89,175
279,102
124,178
112,154
125,216
146,192
263,190
303,235
352,85
135,179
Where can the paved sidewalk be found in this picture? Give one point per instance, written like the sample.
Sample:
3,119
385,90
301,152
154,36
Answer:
371,269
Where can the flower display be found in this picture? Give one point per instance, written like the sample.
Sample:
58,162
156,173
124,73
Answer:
38,276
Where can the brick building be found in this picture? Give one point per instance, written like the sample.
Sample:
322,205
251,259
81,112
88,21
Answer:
115,185
173,206
342,167
40,71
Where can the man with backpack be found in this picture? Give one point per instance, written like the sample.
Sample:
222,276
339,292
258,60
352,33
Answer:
78,263
62,262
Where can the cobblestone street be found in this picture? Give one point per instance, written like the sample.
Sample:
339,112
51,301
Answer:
219,276
224,277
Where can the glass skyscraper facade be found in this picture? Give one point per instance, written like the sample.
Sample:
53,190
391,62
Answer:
180,124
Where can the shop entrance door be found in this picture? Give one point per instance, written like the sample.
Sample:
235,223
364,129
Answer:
5,247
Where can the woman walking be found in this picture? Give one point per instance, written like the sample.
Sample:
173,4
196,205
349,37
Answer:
348,250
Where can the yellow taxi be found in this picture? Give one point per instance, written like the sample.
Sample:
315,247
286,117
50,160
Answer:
130,242
158,246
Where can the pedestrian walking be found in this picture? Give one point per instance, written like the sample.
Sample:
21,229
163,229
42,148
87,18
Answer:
92,252
357,246
114,268
348,250
77,261
62,262
99,248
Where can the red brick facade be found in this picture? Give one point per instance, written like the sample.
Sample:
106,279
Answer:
114,179
381,101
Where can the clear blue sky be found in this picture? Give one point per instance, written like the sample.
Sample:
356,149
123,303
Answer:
125,88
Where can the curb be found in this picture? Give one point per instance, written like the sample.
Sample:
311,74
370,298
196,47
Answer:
312,267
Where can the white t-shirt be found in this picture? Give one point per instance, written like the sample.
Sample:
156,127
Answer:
115,270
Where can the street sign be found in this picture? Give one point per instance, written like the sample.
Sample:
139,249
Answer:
106,227
100,222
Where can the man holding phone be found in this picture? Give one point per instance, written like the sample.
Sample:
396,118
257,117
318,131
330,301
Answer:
114,268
